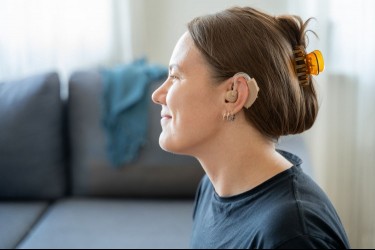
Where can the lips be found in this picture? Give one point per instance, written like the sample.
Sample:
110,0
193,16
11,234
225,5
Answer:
165,114
165,118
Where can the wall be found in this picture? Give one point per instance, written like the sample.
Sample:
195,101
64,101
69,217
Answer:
157,25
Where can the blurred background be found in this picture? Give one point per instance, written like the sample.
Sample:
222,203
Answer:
43,35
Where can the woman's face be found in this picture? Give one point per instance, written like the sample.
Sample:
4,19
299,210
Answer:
191,102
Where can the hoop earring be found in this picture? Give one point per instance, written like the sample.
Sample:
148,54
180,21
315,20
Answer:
229,117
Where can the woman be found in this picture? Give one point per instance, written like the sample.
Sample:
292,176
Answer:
238,80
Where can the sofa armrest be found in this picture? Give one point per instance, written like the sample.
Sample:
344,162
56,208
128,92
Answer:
32,164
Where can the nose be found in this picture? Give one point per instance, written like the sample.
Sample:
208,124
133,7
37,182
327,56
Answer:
159,96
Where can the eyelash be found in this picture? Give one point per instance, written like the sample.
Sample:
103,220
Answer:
173,77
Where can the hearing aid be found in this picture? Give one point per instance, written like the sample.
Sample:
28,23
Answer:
232,95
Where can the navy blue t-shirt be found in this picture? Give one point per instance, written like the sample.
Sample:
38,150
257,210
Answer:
287,211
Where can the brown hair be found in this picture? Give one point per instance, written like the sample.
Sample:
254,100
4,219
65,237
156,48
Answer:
247,40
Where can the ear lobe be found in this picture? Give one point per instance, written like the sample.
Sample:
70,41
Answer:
252,86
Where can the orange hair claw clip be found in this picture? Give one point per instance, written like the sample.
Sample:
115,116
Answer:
314,62
306,65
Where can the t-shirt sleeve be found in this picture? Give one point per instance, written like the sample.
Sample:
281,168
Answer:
308,242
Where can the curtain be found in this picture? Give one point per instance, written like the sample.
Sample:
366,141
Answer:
43,35
342,141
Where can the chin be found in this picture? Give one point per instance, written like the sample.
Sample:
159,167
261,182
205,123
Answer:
171,146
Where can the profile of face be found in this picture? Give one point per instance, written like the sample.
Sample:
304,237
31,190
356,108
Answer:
192,104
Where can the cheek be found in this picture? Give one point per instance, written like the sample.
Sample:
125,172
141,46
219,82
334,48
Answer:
195,120
189,108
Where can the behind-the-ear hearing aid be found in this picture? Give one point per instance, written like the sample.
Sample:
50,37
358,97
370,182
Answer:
232,95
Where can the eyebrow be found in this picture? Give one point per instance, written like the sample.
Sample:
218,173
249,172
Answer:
174,66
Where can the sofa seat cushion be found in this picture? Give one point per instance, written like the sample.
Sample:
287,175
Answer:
16,220
104,223
31,148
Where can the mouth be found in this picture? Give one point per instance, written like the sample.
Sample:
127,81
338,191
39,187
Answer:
166,117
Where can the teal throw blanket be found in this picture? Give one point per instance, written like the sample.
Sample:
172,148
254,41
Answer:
125,106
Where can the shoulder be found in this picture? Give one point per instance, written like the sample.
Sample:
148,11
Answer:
304,219
295,225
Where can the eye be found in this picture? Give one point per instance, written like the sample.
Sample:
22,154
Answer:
174,77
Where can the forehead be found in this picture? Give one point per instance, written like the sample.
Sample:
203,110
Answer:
185,56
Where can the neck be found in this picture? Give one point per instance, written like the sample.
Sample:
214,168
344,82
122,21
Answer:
245,160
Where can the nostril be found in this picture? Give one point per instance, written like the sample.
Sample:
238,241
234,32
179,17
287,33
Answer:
157,101
159,95
154,98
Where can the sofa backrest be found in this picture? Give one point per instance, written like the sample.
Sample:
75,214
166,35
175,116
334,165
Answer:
32,164
154,174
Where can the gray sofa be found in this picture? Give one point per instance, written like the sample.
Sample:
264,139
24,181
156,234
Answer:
58,189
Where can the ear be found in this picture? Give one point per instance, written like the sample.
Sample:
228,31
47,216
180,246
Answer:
240,86
243,92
